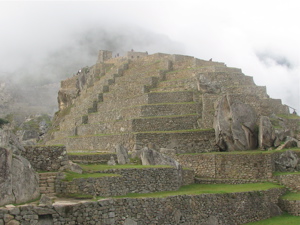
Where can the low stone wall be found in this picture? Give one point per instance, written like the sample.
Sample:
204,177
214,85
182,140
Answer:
290,206
289,180
47,183
182,142
92,158
224,181
222,209
229,166
46,158
129,181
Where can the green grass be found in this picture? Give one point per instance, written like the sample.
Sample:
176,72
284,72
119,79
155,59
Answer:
101,167
284,219
173,131
71,175
75,196
168,116
196,189
284,173
249,152
291,196
289,116
89,153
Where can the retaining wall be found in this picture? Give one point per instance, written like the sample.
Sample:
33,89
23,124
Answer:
46,158
129,181
229,209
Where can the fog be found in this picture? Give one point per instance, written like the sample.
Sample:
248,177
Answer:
44,42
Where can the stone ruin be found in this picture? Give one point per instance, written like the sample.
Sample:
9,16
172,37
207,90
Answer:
153,107
172,101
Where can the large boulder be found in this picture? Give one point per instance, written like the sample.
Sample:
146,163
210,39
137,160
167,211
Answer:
235,125
266,133
287,162
153,157
18,181
122,154
10,141
289,142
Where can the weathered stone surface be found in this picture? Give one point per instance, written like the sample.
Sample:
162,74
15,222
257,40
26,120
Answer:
74,167
130,221
152,157
25,181
6,195
234,125
10,141
13,222
122,154
112,161
266,133
289,142
18,180
288,161
45,200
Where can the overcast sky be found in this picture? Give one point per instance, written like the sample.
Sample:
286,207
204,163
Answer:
260,37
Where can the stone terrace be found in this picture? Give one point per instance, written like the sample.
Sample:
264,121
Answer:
167,100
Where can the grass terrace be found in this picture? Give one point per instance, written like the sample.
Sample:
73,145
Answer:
291,196
246,152
197,189
92,168
284,219
71,175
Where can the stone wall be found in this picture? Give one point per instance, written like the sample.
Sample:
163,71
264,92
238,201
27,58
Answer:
222,209
289,180
229,166
129,181
47,183
46,158
290,206
182,142
92,158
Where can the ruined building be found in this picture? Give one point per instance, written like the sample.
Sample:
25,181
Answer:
170,101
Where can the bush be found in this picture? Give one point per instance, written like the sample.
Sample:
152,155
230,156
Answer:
3,122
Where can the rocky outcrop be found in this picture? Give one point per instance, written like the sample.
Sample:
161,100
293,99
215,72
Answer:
18,181
10,141
122,154
266,133
287,162
289,142
235,125
152,157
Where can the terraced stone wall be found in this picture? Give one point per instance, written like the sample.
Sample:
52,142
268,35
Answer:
230,166
46,158
290,180
223,209
128,181
182,142
290,206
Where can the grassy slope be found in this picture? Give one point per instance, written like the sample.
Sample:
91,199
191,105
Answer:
196,189
284,219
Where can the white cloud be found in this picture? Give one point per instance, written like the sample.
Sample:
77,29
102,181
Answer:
232,31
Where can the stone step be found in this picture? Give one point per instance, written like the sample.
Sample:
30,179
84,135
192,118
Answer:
168,123
164,109
189,83
195,141
96,143
110,127
182,122
259,90
171,109
170,97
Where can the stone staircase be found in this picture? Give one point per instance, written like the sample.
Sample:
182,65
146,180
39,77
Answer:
47,183
162,99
